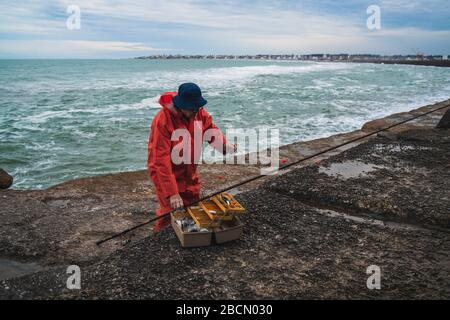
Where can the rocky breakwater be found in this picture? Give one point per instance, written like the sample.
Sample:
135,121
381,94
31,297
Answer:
6,180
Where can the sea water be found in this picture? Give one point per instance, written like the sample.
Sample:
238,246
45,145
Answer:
66,119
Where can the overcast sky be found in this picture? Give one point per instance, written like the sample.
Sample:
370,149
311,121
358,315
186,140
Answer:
128,28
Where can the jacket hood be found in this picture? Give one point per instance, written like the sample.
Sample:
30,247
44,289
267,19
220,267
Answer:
166,102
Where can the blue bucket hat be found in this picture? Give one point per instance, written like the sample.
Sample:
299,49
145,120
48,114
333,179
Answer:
189,97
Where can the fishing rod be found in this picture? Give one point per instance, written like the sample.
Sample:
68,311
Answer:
264,175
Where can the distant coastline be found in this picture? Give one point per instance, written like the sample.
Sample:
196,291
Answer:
419,59
431,63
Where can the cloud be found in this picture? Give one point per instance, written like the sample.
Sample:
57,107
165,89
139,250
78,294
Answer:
119,27
27,18
414,5
72,48
110,45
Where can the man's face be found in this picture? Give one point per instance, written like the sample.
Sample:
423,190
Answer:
188,113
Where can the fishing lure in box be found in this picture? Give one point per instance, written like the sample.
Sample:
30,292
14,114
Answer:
212,212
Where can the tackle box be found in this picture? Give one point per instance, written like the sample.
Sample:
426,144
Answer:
201,217
219,215
229,231
192,239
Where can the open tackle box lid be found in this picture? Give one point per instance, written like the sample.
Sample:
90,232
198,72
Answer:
211,212
217,218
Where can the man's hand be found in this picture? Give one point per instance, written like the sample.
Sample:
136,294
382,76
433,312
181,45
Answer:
176,202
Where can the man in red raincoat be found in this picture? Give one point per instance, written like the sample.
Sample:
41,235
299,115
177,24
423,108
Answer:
177,184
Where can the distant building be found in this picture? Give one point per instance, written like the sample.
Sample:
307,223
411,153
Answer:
309,57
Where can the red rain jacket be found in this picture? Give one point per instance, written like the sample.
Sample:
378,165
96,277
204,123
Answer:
169,178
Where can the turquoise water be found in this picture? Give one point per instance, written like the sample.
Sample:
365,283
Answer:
65,119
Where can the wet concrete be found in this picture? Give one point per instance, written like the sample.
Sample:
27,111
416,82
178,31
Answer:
309,234
293,247
288,251
349,169
410,186
11,269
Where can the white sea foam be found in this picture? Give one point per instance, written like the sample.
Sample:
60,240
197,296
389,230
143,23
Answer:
83,134
304,100
46,115
51,145
213,77
148,103
223,77
43,117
